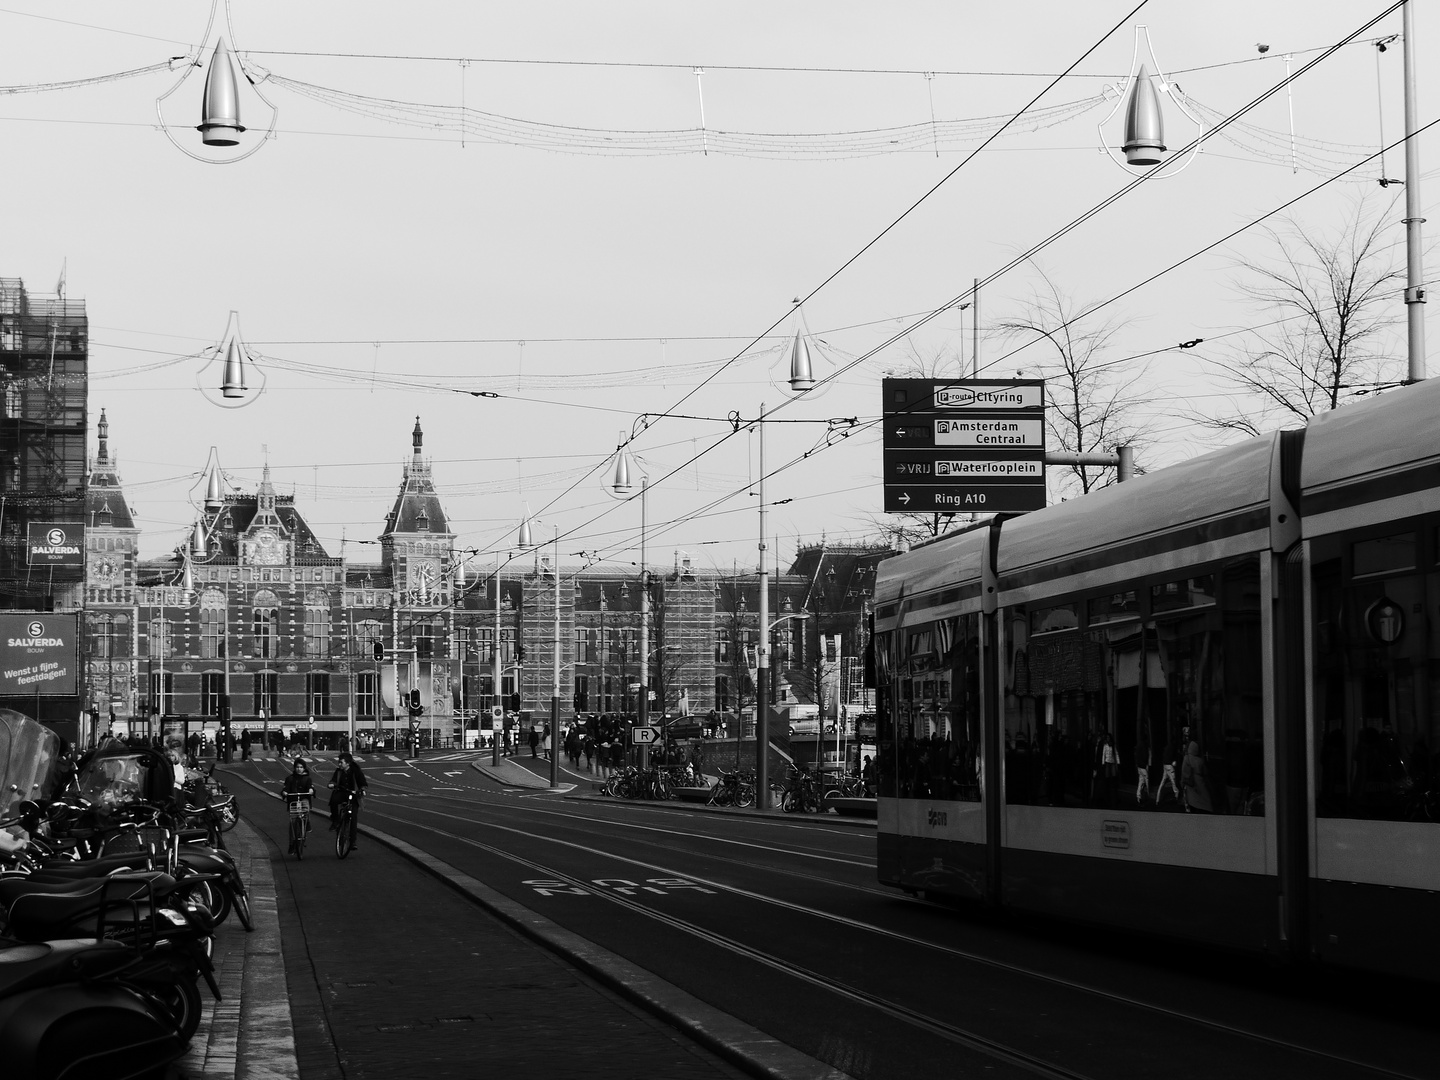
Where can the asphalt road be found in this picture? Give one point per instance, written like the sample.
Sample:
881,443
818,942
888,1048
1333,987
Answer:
779,921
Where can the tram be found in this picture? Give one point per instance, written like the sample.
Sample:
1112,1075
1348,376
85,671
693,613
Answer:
1203,704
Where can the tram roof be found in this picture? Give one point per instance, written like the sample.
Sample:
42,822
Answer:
1210,501
1371,451
948,562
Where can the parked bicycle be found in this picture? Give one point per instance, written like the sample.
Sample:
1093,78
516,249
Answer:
733,789
802,791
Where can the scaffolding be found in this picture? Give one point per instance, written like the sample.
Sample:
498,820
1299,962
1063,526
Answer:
44,354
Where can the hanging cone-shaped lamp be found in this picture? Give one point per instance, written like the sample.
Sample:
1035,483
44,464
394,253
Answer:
460,574
801,377
220,111
524,540
620,482
233,385
187,579
1144,124
197,544
214,499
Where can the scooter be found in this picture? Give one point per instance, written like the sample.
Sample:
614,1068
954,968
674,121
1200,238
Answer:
65,1016
170,937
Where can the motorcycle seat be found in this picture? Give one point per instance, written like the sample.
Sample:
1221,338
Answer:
42,963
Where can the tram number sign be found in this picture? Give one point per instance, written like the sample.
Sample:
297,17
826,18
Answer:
644,736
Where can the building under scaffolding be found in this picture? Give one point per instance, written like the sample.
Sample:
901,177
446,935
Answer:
44,351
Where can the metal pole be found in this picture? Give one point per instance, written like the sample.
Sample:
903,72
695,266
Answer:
555,686
762,660
225,709
496,733
1414,259
643,709
975,331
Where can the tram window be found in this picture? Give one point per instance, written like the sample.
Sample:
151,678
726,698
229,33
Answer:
1054,620
936,696
1103,717
1376,685
1116,606
1188,592
1384,555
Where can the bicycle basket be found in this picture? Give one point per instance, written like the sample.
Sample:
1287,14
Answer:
299,805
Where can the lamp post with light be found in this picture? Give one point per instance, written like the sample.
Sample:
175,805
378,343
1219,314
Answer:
621,484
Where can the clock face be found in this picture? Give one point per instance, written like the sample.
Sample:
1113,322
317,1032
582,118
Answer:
423,577
105,571
269,551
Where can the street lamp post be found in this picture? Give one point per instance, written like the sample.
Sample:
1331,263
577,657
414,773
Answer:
762,659
496,733
621,485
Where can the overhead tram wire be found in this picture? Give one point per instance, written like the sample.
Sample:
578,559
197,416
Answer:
1035,249
783,69
1222,240
913,206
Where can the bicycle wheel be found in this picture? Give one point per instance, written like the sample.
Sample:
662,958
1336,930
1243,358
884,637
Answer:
242,908
745,795
228,813
297,836
344,835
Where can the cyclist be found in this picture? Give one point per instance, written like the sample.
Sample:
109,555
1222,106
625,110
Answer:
299,782
348,778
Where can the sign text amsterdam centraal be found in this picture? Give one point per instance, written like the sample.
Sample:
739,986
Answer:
976,445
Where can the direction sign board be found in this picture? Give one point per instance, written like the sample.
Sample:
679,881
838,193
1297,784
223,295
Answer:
644,736
957,446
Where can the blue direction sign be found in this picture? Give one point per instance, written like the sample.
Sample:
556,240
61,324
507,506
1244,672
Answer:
960,446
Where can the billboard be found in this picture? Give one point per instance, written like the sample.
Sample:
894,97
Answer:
38,653
55,543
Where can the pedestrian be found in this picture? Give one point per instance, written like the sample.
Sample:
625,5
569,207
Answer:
1195,782
534,742
589,754
245,745
549,748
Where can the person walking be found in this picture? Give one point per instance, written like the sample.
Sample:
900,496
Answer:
534,742
589,754
245,745
1195,782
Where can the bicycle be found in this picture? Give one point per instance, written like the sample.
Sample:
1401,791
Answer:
299,807
349,811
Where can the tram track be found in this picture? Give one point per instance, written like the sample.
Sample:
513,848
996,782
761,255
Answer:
895,1010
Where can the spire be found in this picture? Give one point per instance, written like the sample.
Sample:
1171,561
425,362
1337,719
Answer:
418,438
104,429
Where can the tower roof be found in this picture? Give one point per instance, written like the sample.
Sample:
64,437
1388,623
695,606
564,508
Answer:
105,504
417,508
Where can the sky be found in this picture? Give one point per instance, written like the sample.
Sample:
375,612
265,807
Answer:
521,200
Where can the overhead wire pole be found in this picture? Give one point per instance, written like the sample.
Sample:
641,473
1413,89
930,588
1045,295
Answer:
555,688
762,657
1414,260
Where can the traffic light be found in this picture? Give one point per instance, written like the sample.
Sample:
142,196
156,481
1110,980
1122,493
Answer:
520,653
378,648
416,708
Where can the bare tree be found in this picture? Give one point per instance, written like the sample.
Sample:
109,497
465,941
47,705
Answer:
1090,402
1332,292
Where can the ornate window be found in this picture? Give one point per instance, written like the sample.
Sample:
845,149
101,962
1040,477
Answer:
317,632
212,625
265,625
